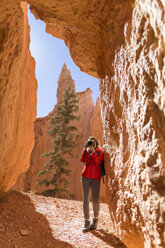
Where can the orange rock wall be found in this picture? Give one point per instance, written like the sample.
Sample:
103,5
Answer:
133,110
122,43
96,124
17,94
93,40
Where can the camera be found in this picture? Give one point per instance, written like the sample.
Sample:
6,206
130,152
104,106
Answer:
90,143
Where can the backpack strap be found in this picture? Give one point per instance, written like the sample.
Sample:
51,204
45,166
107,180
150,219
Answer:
98,152
85,157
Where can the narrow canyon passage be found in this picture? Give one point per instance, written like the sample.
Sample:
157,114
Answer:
32,221
122,43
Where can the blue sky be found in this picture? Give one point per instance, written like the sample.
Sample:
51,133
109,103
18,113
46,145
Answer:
50,55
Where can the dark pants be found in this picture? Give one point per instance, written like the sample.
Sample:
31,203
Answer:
94,184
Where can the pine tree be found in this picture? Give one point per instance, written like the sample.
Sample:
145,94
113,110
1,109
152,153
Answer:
64,136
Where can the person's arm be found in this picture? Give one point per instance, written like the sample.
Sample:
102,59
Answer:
82,159
83,155
98,159
85,158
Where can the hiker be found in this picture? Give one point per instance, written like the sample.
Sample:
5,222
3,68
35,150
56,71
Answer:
92,157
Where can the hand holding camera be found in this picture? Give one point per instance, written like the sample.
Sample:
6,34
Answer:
91,145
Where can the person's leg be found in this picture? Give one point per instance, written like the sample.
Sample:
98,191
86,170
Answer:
95,187
85,190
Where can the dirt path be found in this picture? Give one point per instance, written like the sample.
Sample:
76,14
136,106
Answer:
28,221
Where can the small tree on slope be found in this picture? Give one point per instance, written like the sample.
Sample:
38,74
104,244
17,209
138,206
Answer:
64,137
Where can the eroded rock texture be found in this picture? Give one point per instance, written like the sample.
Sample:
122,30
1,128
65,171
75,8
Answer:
90,124
91,29
133,106
123,43
17,93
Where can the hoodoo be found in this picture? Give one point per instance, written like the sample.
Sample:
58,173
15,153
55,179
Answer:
89,124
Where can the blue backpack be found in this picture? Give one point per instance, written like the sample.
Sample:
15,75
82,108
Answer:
102,167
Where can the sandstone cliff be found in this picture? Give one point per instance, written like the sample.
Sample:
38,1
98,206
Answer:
17,94
133,110
123,43
64,76
90,124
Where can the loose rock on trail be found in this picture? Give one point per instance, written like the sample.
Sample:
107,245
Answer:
33,221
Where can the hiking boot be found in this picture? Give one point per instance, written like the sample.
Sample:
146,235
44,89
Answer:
86,226
94,224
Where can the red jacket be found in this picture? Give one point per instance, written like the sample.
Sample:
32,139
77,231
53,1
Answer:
92,164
